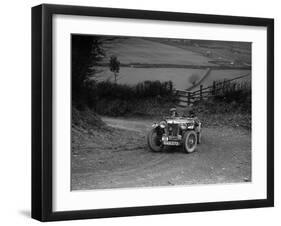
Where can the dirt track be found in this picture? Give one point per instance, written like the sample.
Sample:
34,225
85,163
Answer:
223,157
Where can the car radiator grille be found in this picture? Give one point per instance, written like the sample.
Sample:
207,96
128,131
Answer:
173,129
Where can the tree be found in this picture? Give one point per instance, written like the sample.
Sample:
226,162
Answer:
193,79
85,52
114,66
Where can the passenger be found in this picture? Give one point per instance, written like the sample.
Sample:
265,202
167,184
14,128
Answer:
189,111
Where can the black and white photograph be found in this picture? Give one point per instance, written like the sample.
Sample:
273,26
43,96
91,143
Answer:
145,112
149,112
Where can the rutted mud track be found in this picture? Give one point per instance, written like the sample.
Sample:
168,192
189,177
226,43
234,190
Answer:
223,157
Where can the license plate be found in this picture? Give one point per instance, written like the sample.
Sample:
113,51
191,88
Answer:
171,143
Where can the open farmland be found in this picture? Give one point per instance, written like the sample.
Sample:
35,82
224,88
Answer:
179,76
220,75
138,50
156,59
239,52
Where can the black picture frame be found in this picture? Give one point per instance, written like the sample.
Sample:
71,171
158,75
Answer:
42,111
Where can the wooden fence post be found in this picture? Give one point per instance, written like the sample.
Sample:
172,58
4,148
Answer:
224,86
188,98
201,94
234,86
214,87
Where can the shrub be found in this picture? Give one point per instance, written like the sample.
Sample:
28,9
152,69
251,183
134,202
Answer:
139,107
237,96
147,89
193,79
113,99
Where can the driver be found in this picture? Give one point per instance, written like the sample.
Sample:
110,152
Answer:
173,112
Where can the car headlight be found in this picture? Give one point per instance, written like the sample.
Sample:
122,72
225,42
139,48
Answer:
162,124
154,125
190,126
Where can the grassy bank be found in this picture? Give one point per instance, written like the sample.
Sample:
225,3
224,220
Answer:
217,113
230,106
90,133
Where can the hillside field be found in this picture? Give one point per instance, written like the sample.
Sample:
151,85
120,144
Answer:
138,50
164,60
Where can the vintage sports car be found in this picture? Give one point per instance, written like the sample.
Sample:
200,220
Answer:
175,131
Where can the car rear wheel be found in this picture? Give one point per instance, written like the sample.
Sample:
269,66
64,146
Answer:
189,141
154,141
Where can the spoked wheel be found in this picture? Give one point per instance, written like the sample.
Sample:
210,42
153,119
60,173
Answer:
154,141
189,141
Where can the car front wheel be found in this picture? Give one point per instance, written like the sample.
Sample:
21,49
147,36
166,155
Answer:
189,141
154,141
